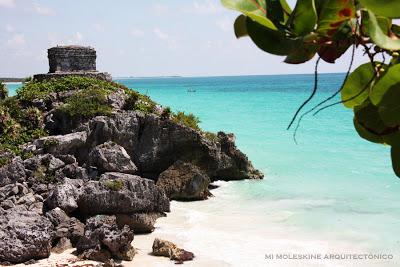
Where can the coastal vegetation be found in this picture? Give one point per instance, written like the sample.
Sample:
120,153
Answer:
87,103
3,91
189,120
327,29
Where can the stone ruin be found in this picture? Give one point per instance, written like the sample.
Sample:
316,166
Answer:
72,60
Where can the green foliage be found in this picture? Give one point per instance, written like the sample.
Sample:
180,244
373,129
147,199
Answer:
211,136
88,103
49,143
357,81
379,37
130,102
4,161
167,113
41,176
255,10
329,28
114,185
3,91
390,9
304,17
188,120
136,101
13,107
42,90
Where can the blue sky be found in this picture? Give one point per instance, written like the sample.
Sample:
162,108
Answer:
136,38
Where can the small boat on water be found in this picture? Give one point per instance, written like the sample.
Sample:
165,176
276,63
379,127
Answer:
191,90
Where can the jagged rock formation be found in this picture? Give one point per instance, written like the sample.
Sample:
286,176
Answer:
168,249
184,181
98,179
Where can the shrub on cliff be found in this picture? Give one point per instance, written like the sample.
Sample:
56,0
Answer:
42,90
189,120
136,101
3,91
88,103
22,116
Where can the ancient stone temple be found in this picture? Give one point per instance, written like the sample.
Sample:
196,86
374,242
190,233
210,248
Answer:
72,60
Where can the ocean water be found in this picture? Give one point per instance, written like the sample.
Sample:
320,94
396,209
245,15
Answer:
331,193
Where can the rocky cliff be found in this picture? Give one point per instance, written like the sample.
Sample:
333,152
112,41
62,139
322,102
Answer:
88,163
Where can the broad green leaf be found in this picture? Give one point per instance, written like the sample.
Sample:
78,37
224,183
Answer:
395,153
366,134
389,107
368,116
275,11
387,8
355,85
271,41
333,14
240,26
384,23
286,8
379,37
304,52
255,9
303,18
391,78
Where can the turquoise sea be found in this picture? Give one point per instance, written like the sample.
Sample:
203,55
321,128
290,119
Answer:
331,193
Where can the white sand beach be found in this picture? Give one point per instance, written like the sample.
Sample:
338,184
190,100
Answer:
219,235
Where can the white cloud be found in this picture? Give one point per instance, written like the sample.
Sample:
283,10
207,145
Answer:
7,3
98,27
136,32
160,9
76,38
43,10
204,7
57,39
225,24
9,28
172,43
16,41
160,34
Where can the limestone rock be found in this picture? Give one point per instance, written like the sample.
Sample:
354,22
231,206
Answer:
121,128
163,248
168,249
110,157
65,195
24,235
72,171
68,144
184,181
12,172
155,144
140,223
62,245
121,194
104,240
65,227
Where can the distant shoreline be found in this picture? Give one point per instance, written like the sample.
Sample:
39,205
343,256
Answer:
222,76
12,80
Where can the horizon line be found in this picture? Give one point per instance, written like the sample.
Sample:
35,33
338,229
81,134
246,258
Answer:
208,76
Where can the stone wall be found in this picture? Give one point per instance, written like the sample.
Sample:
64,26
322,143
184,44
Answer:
71,58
